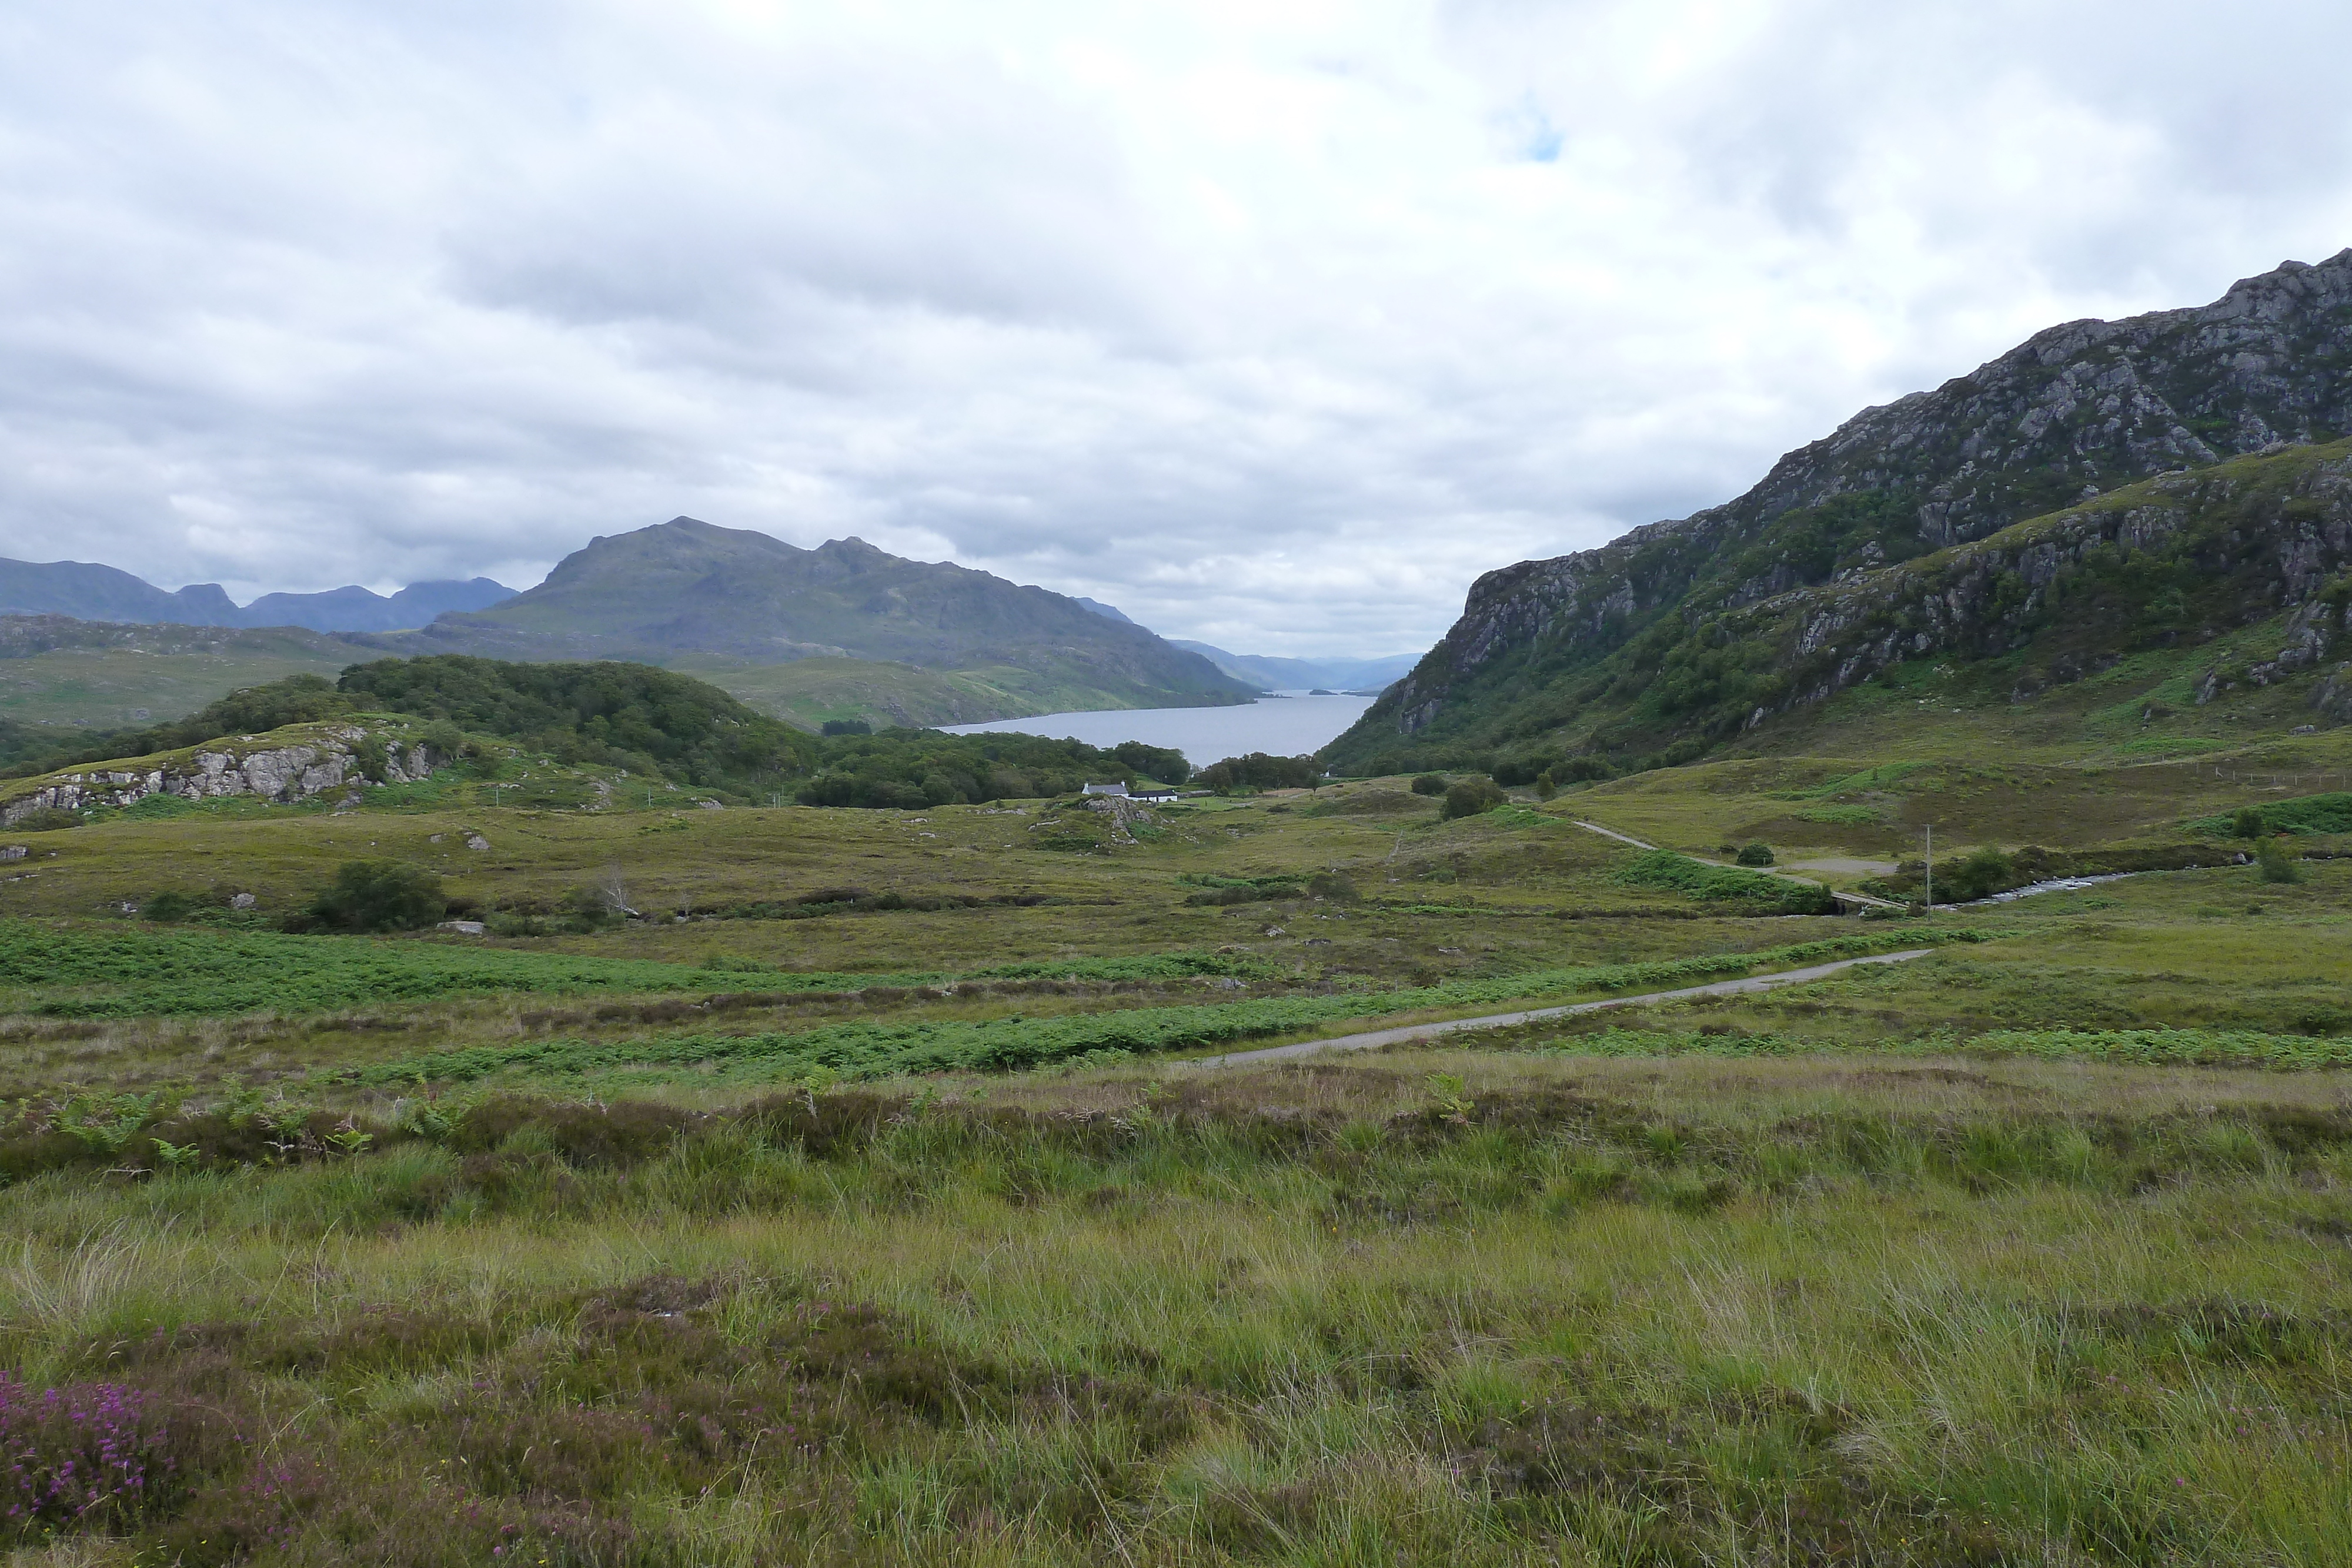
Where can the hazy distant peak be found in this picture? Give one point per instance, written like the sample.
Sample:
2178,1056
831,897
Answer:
103,593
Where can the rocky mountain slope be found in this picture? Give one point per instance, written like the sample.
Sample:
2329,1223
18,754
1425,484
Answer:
687,591
86,591
1682,635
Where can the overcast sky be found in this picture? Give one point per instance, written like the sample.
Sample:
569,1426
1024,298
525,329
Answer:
1274,324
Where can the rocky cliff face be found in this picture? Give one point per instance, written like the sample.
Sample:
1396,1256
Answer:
2084,407
2262,536
2076,411
283,769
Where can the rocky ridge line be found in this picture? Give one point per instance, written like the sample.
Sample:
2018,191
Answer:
2074,410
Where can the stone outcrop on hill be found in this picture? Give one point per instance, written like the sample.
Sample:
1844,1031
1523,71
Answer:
2076,411
290,766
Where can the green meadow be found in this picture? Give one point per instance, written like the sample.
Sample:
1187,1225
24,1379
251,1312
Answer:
797,1185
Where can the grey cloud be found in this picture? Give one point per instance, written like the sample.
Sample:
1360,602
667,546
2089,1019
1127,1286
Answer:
1269,327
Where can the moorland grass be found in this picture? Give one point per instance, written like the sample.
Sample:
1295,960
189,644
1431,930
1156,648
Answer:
1337,1314
134,971
2030,1251
873,1049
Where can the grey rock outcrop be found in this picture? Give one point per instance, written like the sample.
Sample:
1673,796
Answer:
2286,544
221,768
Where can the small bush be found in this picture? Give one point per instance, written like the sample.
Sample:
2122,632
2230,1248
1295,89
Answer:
1545,787
379,895
1470,797
445,741
172,907
2248,823
2277,862
1429,784
1756,854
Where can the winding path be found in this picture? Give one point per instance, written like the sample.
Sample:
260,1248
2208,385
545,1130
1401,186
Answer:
1751,983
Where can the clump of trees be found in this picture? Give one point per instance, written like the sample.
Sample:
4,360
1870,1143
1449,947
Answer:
1755,854
1470,797
648,720
1429,784
1236,775
375,896
912,769
1979,873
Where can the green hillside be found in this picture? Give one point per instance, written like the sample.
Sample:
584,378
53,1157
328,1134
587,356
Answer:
448,730
59,673
810,692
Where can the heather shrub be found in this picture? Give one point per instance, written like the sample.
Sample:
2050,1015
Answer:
1332,884
86,1456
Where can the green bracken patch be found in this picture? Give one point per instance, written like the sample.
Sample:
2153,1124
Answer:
80,972
1680,873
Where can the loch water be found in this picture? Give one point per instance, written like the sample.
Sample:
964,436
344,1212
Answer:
1291,723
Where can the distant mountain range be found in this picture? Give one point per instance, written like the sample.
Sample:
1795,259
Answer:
843,631
86,592
1271,672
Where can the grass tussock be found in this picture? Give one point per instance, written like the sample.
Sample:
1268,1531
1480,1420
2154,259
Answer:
1253,1319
